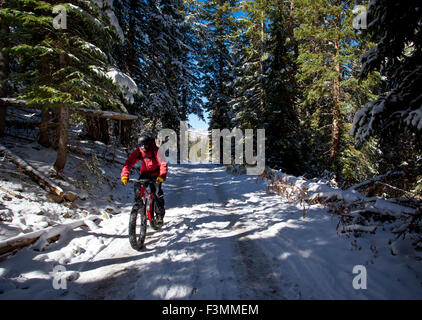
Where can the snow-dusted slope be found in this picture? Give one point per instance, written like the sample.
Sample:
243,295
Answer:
224,238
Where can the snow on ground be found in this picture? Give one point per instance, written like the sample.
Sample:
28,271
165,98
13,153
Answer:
224,238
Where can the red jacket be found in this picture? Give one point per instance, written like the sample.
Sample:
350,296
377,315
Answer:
153,164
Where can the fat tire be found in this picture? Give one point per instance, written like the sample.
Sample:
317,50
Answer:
138,214
153,223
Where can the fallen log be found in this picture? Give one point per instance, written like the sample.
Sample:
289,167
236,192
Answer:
359,228
32,172
105,114
11,193
20,137
376,179
44,235
98,113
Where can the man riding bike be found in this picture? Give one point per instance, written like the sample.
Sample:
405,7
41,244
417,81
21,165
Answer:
154,165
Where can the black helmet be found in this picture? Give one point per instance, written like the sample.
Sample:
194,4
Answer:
145,139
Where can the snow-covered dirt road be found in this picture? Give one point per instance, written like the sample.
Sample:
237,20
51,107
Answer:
224,238
203,252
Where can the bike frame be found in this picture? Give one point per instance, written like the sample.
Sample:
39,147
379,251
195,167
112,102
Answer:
144,193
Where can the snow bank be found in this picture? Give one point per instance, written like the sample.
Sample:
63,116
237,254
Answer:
321,190
357,213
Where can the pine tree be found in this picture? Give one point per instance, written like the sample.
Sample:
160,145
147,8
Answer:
132,16
61,69
178,65
250,51
329,51
264,94
4,68
395,117
398,56
217,64
191,102
159,101
159,53
320,66
281,118
77,57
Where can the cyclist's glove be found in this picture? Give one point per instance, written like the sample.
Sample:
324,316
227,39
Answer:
124,180
160,179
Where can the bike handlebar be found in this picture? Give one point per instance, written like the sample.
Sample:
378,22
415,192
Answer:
143,181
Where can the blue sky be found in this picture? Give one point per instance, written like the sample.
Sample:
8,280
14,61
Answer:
197,123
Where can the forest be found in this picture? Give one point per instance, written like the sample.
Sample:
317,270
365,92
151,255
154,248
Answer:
328,91
335,84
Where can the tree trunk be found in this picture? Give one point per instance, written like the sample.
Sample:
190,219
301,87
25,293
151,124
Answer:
335,135
91,127
130,59
44,139
97,128
104,135
126,131
294,44
261,67
3,113
56,121
291,30
4,76
184,107
116,128
23,240
62,132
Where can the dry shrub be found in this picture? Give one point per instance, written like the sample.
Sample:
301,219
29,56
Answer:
286,189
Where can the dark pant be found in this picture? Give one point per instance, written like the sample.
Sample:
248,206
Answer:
156,189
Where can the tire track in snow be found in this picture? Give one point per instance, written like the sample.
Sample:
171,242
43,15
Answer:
102,280
203,251
255,276
118,279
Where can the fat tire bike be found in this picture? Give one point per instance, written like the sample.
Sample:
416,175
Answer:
142,211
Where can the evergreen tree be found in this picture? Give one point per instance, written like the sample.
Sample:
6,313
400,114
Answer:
329,51
189,88
395,117
264,93
76,57
4,68
398,57
180,71
217,63
250,52
281,118
159,53
132,16
64,68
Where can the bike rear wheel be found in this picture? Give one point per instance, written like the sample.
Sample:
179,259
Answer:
138,226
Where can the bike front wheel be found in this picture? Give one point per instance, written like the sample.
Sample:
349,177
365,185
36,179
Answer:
138,226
